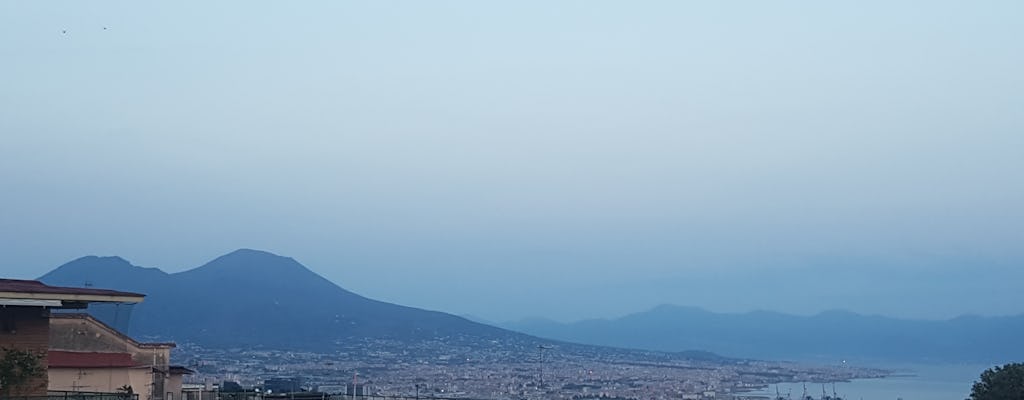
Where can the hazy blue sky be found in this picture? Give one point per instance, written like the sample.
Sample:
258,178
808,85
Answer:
567,159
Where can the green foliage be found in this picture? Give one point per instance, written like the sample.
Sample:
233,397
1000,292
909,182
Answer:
1000,383
126,392
18,367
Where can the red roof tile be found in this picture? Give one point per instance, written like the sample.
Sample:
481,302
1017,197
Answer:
74,359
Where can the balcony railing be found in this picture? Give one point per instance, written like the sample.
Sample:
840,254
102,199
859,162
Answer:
61,395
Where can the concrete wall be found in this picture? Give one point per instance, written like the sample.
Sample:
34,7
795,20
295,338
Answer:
27,328
173,387
106,380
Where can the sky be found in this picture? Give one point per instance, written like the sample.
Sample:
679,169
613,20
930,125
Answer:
559,159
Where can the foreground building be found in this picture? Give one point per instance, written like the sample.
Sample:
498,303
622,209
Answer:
89,355
25,310
79,353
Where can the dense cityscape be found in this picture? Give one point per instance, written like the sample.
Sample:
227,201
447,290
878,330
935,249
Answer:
509,370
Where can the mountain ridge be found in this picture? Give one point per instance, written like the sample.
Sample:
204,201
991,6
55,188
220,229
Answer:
256,298
260,299
828,335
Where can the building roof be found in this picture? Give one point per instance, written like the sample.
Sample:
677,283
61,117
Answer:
180,370
74,359
35,293
90,319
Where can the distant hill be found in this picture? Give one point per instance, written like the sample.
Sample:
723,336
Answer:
831,336
255,298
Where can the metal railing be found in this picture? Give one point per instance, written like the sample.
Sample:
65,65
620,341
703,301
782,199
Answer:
214,395
62,395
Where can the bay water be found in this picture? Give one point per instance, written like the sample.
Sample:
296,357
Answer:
910,382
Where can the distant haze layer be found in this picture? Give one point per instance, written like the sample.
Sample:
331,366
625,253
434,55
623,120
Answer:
532,158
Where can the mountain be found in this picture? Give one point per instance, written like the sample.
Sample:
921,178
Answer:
254,298
831,335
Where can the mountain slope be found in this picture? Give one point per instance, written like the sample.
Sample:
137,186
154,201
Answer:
832,335
255,298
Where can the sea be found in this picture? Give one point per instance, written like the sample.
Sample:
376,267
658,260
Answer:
910,382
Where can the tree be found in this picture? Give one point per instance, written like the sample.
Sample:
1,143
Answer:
18,367
1000,383
126,391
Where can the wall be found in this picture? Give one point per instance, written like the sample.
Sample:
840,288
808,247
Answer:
27,328
105,380
173,387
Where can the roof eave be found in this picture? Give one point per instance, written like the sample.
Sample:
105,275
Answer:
76,297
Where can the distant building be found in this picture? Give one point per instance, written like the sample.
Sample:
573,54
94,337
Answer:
332,389
282,385
356,389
